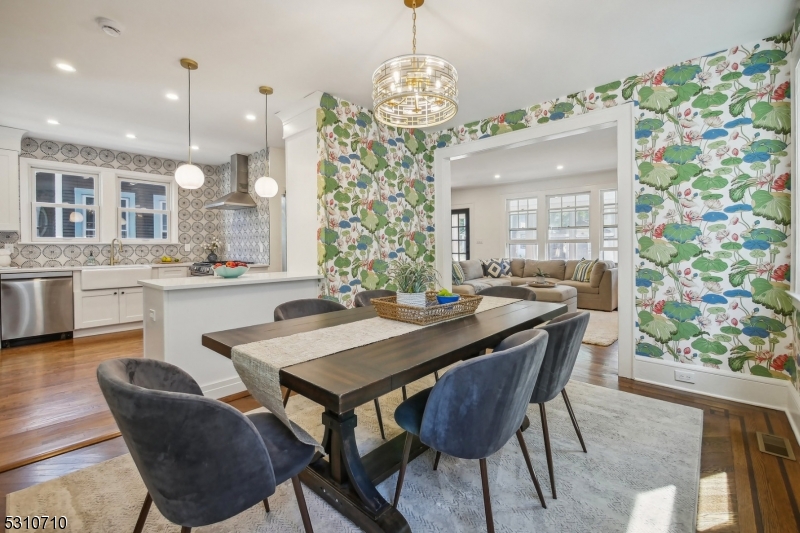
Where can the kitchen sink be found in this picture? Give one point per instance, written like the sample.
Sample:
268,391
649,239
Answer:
113,277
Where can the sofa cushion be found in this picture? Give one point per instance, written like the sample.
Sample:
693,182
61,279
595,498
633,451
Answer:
583,270
583,287
517,267
552,269
599,270
570,268
472,269
463,289
525,281
458,273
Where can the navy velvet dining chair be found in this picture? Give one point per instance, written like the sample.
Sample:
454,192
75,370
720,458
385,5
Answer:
566,334
474,409
201,460
311,307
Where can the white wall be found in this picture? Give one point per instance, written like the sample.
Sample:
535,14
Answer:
277,169
487,208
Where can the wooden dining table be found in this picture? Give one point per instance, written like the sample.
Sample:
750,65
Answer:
345,380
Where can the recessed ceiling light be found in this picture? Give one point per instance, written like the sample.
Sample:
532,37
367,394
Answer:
250,117
560,167
65,67
497,176
52,121
172,96
130,136
195,147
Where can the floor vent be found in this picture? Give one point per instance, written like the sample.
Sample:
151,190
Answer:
775,445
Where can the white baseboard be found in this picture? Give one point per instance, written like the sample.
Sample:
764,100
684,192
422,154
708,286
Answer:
793,411
752,390
222,388
102,330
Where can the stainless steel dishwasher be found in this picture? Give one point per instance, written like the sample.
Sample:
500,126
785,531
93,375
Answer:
35,305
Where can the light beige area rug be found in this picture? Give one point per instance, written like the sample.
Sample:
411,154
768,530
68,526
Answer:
640,476
603,328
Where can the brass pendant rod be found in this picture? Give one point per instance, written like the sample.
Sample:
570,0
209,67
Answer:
189,71
266,131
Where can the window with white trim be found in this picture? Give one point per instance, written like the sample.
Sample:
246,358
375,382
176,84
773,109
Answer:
143,210
568,233
609,240
522,234
64,206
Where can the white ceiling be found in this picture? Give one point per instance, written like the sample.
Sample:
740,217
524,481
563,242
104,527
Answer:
509,54
594,151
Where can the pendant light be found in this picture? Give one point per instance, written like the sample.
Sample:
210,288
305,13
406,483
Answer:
265,186
416,90
189,176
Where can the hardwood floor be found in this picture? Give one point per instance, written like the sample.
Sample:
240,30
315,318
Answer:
741,489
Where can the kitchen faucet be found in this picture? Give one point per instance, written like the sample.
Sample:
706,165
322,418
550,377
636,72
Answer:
113,251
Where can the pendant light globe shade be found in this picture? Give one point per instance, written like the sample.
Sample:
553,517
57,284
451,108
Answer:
76,217
189,176
266,187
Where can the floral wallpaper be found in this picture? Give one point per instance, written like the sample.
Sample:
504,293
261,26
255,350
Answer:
712,202
375,186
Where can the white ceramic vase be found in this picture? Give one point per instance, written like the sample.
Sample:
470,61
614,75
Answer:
416,299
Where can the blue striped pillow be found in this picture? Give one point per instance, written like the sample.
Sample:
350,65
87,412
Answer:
583,270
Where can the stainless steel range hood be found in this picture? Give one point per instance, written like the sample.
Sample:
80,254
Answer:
240,197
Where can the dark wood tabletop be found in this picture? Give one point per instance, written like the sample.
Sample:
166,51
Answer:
344,380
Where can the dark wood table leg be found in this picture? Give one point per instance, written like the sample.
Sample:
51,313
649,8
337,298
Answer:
347,481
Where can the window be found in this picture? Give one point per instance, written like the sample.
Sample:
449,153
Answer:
568,235
522,228
143,212
460,234
64,206
610,238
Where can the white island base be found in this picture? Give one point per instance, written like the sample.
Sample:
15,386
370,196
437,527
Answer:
177,312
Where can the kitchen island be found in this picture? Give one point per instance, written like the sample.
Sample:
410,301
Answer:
177,312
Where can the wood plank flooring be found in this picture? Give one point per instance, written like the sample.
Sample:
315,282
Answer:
741,489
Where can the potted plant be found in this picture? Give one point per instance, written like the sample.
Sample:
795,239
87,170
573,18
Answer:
412,280
541,277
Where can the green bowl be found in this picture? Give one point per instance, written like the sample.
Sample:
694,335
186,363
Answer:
226,272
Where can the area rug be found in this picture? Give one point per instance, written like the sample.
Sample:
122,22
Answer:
603,328
640,476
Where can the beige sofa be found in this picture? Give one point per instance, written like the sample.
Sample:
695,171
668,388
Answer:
600,292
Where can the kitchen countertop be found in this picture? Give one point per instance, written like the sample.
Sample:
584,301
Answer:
205,282
16,270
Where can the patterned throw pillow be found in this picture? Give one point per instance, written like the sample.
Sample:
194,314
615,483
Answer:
494,269
458,273
583,270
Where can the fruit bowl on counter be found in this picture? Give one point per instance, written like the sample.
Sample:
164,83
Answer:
231,269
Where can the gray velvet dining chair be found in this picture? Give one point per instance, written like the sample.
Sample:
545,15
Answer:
311,307
502,291
474,409
566,334
201,460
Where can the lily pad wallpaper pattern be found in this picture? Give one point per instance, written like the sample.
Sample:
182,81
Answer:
197,226
712,202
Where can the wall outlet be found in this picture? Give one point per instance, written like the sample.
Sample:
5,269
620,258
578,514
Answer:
187,247
682,375
261,247
153,315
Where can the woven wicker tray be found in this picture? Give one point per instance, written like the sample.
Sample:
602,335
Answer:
430,314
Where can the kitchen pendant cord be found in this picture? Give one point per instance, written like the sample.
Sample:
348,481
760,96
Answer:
266,131
189,71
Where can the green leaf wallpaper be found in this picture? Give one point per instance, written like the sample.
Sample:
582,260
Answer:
713,202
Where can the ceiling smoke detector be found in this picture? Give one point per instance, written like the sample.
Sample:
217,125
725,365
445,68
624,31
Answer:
111,27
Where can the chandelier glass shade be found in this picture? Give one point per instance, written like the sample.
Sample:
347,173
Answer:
415,90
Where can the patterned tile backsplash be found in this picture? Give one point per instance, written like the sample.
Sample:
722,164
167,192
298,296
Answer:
241,231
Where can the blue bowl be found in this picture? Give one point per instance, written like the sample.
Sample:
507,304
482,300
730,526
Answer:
447,299
225,272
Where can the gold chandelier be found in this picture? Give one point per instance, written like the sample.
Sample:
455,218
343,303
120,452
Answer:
415,90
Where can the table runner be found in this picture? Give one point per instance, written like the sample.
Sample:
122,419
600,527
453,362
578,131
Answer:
259,363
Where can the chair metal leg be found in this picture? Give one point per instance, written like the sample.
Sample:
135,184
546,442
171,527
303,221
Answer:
143,514
186,529
574,420
380,418
286,397
403,465
547,450
436,460
530,467
436,374
487,502
301,502
405,393
266,504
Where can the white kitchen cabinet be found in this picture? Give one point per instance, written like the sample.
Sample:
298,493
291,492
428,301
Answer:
9,190
171,272
97,308
131,305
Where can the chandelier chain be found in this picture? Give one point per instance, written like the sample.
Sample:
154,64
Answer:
414,27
